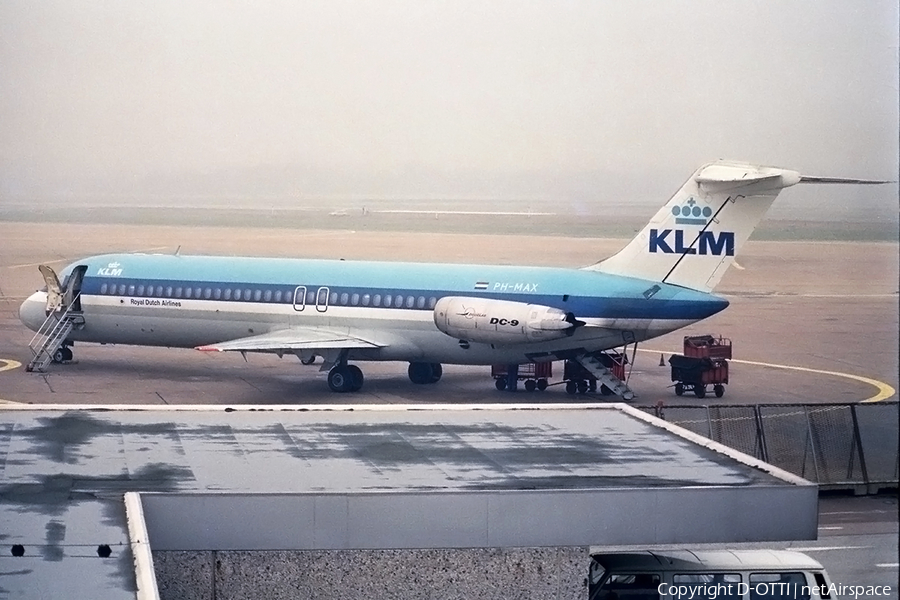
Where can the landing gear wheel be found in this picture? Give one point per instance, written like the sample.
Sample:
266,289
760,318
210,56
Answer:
719,390
340,379
500,383
67,353
582,387
605,391
679,389
356,377
541,384
530,385
436,371
700,391
59,356
571,387
308,361
421,373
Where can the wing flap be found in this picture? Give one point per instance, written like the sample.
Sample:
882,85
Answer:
295,338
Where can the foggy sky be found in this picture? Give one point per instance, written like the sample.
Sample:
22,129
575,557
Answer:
542,99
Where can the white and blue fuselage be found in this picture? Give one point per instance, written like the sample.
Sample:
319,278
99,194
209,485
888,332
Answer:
198,301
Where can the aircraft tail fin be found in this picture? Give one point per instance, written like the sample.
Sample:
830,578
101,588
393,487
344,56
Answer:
694,238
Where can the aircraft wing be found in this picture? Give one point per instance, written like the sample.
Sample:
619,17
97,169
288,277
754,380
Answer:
295,338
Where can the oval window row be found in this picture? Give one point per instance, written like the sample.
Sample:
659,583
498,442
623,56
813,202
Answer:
267,295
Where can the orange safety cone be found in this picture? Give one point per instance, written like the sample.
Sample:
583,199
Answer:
662,362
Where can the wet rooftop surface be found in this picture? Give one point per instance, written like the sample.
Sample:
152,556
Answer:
64,471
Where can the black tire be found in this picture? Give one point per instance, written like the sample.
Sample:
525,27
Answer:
420,373
339,379
700,391
719,390
530,385
308,361
500,383
356,378
541,384
605,391
59,355
582,387
571,387
436,372
67,353
679,389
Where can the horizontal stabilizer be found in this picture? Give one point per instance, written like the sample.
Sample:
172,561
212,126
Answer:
809,179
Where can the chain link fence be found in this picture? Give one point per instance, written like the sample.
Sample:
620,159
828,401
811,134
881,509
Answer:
838,446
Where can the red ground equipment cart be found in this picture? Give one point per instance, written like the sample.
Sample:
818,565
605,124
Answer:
535,375
704,362
580,380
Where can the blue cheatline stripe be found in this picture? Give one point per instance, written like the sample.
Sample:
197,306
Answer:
422,299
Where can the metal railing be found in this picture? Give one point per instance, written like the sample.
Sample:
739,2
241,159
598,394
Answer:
838,446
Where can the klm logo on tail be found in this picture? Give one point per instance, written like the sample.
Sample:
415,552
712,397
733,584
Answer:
708,243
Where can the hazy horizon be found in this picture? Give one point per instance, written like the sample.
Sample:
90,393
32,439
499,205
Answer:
582,107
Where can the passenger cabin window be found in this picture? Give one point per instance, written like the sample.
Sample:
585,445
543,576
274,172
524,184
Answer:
345,297
431,302
388,299
187,292
778,586
257,295
420,303
268,296
642,586
140,290
354,299
159,291
366,298
121,289
376,300
169,291
237,294
711,586
277,295
103,288
207,293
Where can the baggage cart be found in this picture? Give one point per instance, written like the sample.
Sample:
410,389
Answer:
695,374
535,375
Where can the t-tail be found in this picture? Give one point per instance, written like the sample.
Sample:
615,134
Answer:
694,238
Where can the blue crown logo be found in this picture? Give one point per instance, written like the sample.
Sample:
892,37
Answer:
691,214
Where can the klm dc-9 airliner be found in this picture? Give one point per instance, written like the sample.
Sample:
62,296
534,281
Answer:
424,314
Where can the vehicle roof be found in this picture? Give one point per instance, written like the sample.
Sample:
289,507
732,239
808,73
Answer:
705,559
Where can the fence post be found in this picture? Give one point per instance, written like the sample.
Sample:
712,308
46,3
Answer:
810,444
857,439
760,434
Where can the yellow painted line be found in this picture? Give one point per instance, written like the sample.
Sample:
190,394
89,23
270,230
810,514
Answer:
8,365
885,391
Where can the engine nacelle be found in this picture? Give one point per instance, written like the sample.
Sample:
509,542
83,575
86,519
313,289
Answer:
501,321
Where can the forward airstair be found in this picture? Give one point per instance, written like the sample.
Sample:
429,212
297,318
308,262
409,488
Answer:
49,343
605,376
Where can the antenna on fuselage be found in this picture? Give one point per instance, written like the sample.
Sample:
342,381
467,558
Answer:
178,249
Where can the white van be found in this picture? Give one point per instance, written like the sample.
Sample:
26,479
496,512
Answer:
708,575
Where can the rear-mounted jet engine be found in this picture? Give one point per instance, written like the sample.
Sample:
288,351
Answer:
501,321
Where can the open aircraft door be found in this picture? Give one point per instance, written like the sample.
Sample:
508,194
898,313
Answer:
54,289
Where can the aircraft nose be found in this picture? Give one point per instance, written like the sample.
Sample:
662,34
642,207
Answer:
33,311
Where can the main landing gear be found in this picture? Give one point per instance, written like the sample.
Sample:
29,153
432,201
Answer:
349,378
422,373
345,378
